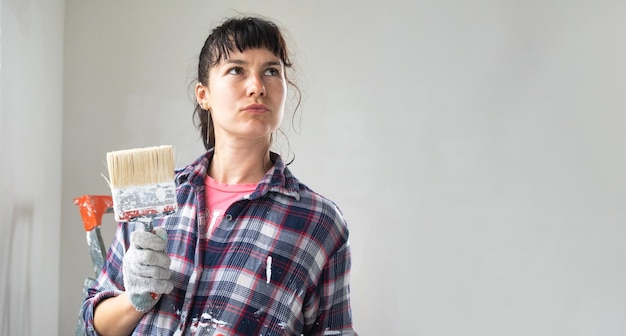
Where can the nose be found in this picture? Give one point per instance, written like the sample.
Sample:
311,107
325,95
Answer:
256,87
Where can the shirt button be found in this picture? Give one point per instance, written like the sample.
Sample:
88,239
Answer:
229,217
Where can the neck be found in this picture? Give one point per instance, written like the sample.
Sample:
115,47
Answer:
239,164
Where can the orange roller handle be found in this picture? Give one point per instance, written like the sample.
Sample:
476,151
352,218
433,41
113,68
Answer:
92,207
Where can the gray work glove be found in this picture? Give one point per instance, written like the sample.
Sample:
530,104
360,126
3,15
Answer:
146,268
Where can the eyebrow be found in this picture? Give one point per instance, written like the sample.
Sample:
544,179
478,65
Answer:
242,62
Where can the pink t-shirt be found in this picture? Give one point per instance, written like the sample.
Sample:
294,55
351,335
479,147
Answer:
219,196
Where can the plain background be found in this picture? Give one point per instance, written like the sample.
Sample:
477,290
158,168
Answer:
476,148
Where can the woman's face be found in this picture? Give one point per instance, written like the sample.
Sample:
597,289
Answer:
246,95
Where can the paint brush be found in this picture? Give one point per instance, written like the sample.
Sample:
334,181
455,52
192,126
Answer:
142,183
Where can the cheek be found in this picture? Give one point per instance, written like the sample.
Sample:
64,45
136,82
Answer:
222,90
280,92
279,116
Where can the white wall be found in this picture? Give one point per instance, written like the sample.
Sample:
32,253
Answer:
31,76
476,147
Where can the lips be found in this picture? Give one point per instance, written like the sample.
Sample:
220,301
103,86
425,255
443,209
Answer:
256,108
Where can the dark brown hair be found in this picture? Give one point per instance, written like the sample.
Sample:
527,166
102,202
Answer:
240,34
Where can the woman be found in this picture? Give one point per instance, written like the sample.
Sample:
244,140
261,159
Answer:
251,250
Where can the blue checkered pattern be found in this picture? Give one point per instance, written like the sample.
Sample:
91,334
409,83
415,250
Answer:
278,264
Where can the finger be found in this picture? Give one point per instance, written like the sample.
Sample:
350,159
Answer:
149,285
147,240
150,272
149,258
160,231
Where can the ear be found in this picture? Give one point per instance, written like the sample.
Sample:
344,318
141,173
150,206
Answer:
202,96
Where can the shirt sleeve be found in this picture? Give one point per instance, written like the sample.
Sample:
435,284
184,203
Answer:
110,281
333,315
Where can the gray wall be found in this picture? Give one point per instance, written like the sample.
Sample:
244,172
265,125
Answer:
31,107
475,147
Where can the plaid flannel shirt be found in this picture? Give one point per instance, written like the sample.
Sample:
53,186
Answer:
277,264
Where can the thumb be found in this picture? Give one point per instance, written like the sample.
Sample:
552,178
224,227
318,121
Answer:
160,231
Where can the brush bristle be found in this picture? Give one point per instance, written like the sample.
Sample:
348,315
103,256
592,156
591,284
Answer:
140,166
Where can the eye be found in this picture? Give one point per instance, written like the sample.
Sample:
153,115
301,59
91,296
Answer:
235,71
272,72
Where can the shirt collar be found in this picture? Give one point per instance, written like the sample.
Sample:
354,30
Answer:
277,179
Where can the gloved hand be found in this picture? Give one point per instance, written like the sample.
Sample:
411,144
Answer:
146,268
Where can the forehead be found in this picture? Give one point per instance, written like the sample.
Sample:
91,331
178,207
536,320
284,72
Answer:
251,55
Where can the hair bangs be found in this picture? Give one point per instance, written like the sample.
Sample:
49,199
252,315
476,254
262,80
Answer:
247,34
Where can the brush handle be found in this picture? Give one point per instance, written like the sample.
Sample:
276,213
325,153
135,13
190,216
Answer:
147,224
